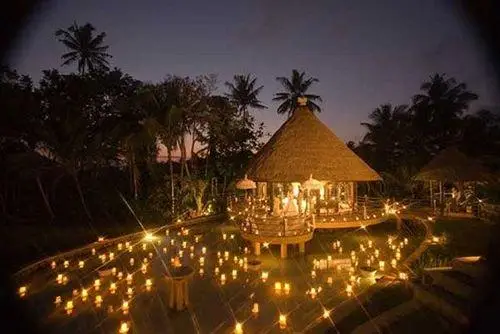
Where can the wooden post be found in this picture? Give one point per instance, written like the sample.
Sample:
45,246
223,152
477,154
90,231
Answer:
256,248
284,250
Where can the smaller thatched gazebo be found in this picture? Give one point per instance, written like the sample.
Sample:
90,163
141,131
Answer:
453,167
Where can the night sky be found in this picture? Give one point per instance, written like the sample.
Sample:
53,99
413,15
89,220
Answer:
364,53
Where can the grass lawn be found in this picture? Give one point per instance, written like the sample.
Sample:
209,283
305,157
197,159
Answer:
465,237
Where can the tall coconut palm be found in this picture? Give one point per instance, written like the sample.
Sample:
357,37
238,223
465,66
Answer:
85,47
244,93
295,87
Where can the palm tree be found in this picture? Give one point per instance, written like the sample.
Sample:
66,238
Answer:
295,88
85,48
244,94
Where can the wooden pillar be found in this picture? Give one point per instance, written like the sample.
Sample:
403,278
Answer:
302,247
284,250
256,248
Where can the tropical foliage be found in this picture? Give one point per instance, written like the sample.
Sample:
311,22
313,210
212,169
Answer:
297,86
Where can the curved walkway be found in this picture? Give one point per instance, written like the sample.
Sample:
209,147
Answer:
106,242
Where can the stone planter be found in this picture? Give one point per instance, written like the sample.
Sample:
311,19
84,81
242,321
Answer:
254,264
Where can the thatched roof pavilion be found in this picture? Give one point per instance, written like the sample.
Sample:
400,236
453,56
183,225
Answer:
451,165
304,146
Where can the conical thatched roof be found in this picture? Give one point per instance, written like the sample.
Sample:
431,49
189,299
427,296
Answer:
452,165
304,146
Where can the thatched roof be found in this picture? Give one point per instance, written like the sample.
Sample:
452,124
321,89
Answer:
304,146
452,165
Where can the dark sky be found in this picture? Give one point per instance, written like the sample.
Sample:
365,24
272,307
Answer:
364,53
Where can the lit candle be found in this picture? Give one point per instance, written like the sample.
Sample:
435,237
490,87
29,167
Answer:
172,242
216,270
204,250
112,288
282,321
144,246
98,301
81,264
53,264
113,271
58,300
287,288
59,278
202,260
69,307
224,236
313,274
264,276
85,294
329,280
130,249
326,313
394,262
184,244
130,291
66,264
191,255
120,275
238,328
255,308
22,291
129,279
125,307
313,293
97,284
150,255
348,289
226,255
377,253
201,271
381,265
223,279
149,283
93,251
144,268
406,241
235,273
277,287
124,328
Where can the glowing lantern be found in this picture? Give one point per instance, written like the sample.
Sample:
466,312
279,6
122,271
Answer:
22,291
85,294
124,328
238,328
255,308
282,321
69,307
111,255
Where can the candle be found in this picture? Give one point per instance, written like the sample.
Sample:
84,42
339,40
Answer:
125,307
216,270
85,294
313,293
130,248
277,287
129,279
223,279
381,265
287,288
58,300
313,274
201,271
348,289
124,328
69,307
235,273
264,276
406,241
22,291
130,291
224,236
282,321
93,251
112,288
113,271
120,275
202,260
97,284
111,255
53,264
149,283
59,278
66,264
144,246
98,301
203,250
150,254
81,264
329,280
326,313
238,328
226,255
394,262
255,308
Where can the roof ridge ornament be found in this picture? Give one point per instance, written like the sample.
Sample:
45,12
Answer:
302,100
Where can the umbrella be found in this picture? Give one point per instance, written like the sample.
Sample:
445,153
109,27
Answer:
312,184
246,184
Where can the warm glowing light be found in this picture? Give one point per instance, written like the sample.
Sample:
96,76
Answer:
93,251
224,236
112,288
381,265
348,289
149,237
264,276
394,262
22,291
202,261
203,250
53,264
216,270
98,301
238,328
113,271
144,268
326,313
287,288
223,278
313,274
277,287
66,264
255,308
100,239
85,294
69,307
403,276
111,255
149,284
81,264
125,307
130,292
124,328
97,284
282,321
234,273
58,300
265,244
